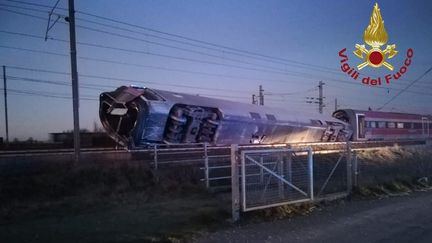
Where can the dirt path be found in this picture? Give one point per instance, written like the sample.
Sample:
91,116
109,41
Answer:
396,219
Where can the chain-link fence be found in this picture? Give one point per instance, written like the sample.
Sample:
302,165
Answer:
332,175
274,177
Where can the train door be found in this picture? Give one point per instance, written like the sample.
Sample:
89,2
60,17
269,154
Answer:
425,127
361,133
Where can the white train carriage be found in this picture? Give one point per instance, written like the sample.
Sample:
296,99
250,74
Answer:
139,116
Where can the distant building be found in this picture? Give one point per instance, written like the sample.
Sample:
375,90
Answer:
87,139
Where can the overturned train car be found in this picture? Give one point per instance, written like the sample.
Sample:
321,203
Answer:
136,117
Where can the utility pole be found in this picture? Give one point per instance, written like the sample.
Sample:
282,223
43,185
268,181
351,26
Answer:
319,100
6,107
74,72
254,99
321,97
336,104
261,95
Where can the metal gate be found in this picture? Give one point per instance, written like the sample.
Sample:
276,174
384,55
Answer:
332,174
275,177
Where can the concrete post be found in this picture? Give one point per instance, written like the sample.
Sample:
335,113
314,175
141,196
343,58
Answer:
235,187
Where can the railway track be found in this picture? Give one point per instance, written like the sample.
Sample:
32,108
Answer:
198,148
27,162
56,151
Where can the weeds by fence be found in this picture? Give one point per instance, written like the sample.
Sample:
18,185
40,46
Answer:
334,172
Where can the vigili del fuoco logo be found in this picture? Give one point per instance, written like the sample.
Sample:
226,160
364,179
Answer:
375,36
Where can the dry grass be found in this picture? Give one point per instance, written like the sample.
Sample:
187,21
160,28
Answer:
394,170
167,206
92,184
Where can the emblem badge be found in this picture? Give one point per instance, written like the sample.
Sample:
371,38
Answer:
375,36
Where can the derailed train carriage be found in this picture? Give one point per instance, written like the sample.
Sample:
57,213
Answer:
137,117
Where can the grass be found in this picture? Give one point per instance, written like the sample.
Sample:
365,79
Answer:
394,171
122,202
130,202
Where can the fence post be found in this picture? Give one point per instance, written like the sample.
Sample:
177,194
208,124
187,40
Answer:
355,169
235,189
261,170
310,167
206,167
288,165
349,168
155,157
280,168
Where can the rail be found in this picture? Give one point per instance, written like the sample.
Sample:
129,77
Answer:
196,148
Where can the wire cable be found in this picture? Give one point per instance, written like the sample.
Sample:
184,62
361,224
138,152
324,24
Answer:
406,88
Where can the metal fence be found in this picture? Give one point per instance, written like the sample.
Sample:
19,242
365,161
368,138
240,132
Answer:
332,174
169,155
217,172
274,177
263,178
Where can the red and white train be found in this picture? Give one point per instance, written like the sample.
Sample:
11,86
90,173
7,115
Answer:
376,125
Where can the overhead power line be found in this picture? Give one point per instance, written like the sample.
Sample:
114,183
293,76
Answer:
35,4
168,34
406,88
236,77
298,74
125,80
223,52
305,65
46,94
291,93
150,66
24,8
182,49
101,88
237,50
205,44
292,73
61,83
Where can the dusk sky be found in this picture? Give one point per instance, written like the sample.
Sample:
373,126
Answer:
223,49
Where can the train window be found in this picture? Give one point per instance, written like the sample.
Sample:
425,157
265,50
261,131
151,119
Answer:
255,116
391,125
270,117
417,126
400,125
371,124
407,125
381,124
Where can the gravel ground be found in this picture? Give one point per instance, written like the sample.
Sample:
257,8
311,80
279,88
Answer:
396,219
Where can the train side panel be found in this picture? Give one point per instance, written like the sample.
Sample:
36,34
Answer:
374,125
140,116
